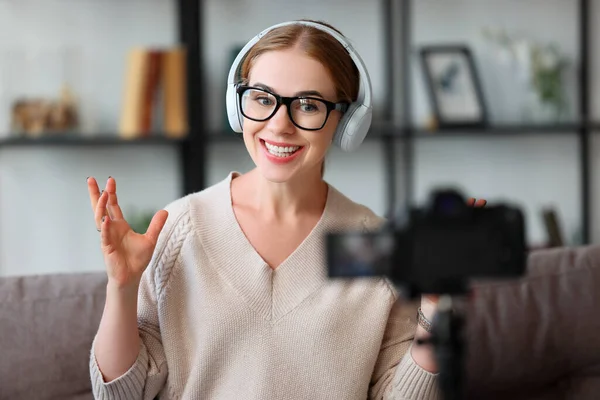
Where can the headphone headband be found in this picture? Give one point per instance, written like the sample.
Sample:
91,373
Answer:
364,88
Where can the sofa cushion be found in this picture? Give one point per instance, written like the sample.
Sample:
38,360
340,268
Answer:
538,331
47,324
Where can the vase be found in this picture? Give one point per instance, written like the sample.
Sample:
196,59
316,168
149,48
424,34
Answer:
538,111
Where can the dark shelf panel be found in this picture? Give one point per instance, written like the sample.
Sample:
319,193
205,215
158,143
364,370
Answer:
386,131
594,127
496,130
224,137
76,140
233,137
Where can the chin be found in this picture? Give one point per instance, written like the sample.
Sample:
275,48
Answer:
277,173
276,176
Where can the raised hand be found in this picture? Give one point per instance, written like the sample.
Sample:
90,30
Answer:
126,253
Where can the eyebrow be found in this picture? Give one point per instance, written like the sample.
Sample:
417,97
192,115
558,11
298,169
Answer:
301,93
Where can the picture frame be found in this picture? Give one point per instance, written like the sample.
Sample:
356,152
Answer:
454,86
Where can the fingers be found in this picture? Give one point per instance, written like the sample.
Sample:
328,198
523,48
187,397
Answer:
114,210
100,211
104,229
156,225
473,202
480,203
93,191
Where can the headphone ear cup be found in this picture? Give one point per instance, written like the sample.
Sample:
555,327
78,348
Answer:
353,127
233,114
341,129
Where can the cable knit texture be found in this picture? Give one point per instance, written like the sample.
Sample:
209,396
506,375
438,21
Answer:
216,322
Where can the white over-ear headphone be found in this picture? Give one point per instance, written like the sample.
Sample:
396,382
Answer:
355,123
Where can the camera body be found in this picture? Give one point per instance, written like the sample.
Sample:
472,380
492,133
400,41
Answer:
438,249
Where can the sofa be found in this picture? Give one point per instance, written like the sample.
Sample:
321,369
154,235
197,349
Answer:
533,338
538,337
47,324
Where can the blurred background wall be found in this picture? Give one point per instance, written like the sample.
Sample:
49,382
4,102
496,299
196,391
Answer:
46,223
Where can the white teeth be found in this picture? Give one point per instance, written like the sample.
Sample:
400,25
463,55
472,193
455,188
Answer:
281,151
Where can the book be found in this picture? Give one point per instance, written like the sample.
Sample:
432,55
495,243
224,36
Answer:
154,93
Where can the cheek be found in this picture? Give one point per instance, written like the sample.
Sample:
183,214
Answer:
250,128
321,141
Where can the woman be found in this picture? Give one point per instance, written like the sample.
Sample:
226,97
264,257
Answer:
226,295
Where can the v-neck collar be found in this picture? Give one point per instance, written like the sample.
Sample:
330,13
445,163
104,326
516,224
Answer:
270,293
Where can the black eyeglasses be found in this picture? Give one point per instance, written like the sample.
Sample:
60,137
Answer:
305,112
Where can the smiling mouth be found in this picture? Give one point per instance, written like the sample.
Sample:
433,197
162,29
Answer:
280,151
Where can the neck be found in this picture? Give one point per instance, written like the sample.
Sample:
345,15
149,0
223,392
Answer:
304,194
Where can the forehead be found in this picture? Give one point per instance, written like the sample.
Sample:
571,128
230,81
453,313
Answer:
291,71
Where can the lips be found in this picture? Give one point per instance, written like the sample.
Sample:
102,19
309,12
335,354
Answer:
280,153
280,144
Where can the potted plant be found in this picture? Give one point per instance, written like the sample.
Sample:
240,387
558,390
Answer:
541,66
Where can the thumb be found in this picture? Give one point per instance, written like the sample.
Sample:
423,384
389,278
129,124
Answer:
156,225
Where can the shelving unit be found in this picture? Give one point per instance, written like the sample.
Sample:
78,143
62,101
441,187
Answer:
410,132
99,140
193,152
387,133
190,148
193,148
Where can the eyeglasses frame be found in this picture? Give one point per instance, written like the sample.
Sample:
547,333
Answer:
287,101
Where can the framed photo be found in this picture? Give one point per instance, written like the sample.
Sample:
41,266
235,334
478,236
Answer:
454,86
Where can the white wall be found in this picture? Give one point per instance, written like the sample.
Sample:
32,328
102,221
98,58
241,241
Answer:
461,21
46,224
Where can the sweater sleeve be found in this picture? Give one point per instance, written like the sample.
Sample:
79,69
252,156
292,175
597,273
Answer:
396,375
146,378
147,375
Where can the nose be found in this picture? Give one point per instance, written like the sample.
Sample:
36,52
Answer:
280,122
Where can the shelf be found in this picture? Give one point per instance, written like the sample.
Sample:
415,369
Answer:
594,127
233,137
381,131
77,140
503,130
224,137
506,129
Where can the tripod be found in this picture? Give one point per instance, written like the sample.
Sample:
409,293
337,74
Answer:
449,347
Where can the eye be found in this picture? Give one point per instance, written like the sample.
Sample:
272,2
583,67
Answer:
264,100
308,105
261,98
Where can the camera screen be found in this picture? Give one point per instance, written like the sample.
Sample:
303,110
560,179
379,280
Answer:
359,254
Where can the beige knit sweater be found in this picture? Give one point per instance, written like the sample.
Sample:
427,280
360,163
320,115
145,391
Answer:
216,322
